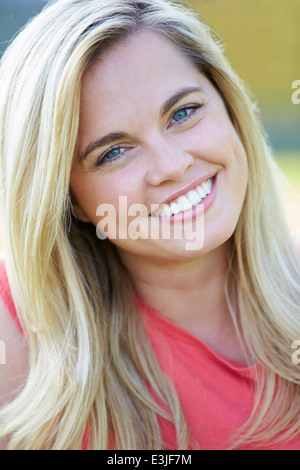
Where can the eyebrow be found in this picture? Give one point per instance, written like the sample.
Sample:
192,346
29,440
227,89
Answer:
114,136
177,97
106,140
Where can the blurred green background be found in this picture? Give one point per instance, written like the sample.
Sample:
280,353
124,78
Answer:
262,42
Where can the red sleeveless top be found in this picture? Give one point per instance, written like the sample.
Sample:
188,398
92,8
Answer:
216,394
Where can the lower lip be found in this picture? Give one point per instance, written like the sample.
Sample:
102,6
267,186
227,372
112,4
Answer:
191,214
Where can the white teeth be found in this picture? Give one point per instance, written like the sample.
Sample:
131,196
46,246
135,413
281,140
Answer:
206,186
160,212
194,197
175,208
201,191
186,201
166,210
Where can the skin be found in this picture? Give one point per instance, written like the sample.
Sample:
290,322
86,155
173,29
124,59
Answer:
124,92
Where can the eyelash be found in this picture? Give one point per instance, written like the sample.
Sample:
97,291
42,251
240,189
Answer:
193,108
104,158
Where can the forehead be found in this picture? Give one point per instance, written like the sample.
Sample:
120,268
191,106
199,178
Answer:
134,58
140,72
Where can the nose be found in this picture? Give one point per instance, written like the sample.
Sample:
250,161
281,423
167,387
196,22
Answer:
167,162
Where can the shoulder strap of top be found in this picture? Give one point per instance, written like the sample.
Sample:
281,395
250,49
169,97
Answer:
6,296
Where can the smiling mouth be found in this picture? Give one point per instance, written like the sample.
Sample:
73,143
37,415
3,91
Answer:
186,201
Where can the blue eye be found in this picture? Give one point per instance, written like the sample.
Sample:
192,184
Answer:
113,153
180,114
185,113
110,156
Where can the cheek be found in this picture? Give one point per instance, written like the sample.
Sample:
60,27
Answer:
86,194
240,163
230,151
91,190
235,166
213,140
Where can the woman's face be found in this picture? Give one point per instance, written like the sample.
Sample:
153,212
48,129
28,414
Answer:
152,129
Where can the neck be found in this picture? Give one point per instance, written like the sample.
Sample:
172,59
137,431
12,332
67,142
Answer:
190,293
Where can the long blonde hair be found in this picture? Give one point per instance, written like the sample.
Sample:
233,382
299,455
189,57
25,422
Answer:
91,361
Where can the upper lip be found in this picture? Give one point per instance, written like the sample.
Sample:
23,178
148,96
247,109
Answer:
186,189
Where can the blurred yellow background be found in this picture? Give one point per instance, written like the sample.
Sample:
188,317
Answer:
262,42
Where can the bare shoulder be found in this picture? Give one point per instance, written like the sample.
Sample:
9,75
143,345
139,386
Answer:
14,359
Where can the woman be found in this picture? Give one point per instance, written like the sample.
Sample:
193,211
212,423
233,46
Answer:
135,340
